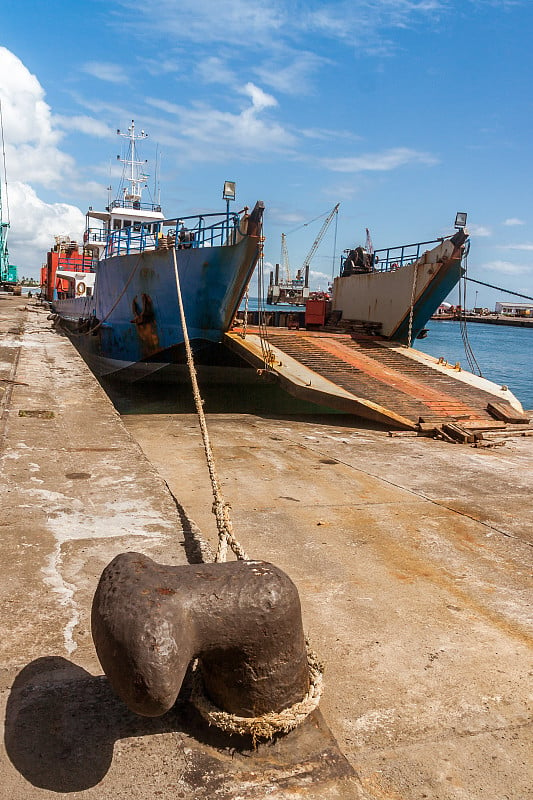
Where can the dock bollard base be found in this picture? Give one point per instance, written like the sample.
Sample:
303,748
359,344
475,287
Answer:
241,620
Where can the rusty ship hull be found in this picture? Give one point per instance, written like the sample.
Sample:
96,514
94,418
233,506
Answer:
131,323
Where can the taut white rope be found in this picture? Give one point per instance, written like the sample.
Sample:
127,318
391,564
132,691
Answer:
267,725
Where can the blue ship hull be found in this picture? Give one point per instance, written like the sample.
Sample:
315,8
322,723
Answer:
429,301
131,323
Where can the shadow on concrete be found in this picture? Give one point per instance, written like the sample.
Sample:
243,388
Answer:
62,723
197,549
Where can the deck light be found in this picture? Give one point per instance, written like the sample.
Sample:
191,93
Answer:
229,190
460,219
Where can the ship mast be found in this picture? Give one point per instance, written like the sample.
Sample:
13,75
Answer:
137,175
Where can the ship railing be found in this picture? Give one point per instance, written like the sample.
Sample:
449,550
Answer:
132,239
390,259
95,236
134,204
206,230
85,262
181,233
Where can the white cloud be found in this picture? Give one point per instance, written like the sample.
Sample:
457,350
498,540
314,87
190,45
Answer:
327,134
527,247
318,280
514,221
104,71
31,142
232,22
276,34
506,267
379,162
215,70
260,99
161,65
33,158
84,124
284,216
247,23
206,133
479,230
290,73
34,224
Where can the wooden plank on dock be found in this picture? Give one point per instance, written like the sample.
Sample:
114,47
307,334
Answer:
483,424
506,413
458,433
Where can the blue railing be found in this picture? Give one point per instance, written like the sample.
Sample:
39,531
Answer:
181,233
130,240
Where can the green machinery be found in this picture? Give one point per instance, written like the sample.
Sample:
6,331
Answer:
8,272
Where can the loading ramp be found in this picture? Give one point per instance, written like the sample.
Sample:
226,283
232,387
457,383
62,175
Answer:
361,374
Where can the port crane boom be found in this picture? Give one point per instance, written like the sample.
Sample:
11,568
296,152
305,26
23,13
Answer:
295,290
319,238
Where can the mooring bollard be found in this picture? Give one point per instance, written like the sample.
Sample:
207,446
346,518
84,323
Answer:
241,619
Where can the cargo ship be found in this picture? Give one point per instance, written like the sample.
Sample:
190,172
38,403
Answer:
394,291
116,293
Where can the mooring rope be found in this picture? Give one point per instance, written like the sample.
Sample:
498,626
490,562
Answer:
245,319
267,725
499,288
220,508
266,351
463,327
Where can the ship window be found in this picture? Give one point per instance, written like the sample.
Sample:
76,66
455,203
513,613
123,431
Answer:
117,225
127,223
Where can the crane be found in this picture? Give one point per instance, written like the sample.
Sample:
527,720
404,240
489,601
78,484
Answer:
314,246
295,290
8,272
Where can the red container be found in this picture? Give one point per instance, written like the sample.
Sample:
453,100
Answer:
316,311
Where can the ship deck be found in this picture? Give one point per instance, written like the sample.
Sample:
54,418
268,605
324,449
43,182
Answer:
361,374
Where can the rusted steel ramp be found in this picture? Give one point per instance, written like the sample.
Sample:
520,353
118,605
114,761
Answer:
363,375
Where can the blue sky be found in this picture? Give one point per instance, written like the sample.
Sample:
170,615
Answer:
404,111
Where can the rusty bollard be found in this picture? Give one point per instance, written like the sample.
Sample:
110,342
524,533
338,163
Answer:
241,619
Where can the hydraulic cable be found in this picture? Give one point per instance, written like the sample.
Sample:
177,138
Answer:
499,288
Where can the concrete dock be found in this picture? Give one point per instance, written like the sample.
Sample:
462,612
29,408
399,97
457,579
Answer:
412,558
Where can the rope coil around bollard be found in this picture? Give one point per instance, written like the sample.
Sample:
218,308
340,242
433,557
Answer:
267,725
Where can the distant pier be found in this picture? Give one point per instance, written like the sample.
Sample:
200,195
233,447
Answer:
489,319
